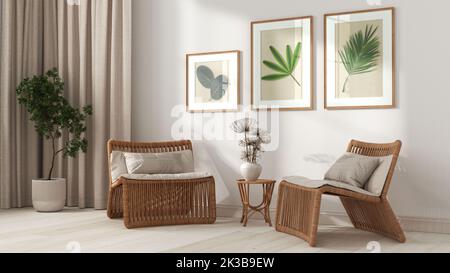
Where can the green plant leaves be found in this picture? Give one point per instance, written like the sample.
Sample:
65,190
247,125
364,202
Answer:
361,52
283,67
217,85
42,97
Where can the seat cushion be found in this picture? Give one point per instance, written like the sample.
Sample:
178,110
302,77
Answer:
178,176
316,184
353,169
160,163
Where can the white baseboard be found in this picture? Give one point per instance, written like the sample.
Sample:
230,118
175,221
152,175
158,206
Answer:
410,224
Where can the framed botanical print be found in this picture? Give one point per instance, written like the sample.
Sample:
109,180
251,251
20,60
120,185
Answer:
282,64
360,59
213,81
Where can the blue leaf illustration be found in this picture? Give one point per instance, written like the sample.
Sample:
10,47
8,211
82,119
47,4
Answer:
205,76
219,87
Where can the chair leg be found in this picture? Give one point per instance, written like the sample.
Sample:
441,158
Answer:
115,203
298,212
374,217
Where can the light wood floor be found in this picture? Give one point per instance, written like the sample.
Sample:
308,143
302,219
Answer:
23,230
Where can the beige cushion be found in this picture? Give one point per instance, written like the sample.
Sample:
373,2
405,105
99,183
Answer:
376,182
160,163
118,166
353,169
316,184
178,176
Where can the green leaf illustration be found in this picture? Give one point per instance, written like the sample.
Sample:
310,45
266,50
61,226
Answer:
289,55
361,52
296,57
274,77
285,67
278,57
275,67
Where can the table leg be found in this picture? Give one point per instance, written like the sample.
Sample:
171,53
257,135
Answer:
267,216
244,190
263,208
268,191
245,215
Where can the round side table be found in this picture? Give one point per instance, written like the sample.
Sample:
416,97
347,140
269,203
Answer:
264,208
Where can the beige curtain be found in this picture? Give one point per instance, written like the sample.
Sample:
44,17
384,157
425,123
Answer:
90,44
20,56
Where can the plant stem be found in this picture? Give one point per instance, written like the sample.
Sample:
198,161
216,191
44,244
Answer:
246,146
345,84
53,159
292,76
54,154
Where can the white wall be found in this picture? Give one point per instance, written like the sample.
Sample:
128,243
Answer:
165,30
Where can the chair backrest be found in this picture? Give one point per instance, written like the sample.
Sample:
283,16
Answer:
378,150
145,147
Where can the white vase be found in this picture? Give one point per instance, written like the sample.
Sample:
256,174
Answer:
250,171
49,195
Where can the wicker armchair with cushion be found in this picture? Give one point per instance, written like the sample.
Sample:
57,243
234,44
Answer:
157,199
299,199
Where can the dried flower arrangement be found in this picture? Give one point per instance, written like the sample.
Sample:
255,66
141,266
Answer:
254,137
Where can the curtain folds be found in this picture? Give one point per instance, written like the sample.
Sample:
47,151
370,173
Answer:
90,44
20,56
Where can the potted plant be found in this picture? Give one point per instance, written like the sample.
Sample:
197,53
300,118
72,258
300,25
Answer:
52,115
254,137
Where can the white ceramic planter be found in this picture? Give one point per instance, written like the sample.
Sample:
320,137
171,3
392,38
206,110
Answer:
250,171
49,195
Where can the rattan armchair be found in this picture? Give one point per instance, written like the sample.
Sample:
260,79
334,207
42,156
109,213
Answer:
298,207
145,203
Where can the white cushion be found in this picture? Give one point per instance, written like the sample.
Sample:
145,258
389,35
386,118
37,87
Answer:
316,184
118,166
353,169
376,182
178,176
160,163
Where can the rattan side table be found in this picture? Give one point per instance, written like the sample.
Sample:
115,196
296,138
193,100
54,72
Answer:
264,208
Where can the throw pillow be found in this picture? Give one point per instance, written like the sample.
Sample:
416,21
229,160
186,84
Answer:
353,169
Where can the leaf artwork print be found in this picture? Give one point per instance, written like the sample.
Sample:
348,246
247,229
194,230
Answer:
217,85
360,54
283,67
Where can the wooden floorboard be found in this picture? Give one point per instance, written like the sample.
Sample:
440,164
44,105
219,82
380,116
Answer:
24,230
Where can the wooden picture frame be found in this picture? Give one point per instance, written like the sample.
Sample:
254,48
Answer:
216,86
307,68
386,34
